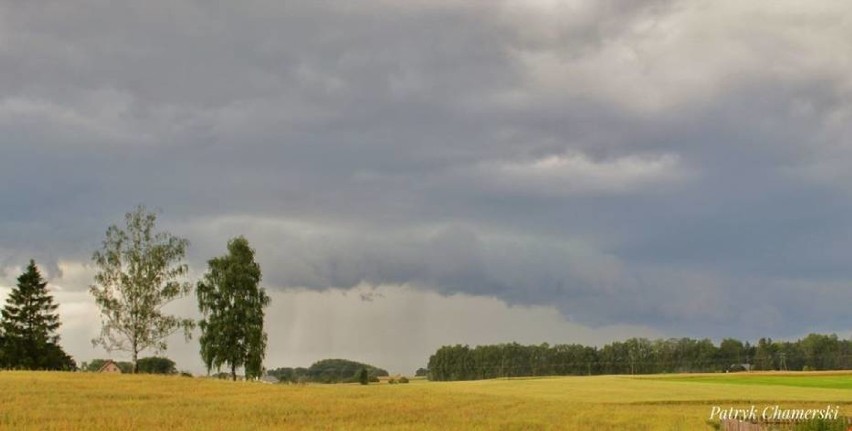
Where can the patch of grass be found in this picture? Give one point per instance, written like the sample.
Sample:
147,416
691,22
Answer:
803,380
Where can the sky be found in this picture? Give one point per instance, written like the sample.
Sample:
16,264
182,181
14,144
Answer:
421,173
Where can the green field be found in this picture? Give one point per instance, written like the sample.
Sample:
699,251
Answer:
823,380
89,401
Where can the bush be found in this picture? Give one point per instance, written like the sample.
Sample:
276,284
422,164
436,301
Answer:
822,425
155,365
403,379
392,381
340,370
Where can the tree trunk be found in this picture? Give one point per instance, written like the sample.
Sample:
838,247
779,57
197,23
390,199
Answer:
234,373
135,358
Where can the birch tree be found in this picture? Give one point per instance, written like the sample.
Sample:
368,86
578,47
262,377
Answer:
140,271
232,303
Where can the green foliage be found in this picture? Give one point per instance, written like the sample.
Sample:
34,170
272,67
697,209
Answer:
639,356
363,376
838,424
822,352
732,352
56,359
328,371
91,366
289,375
826,381
339,371
29,324
403,379
139,272
421,372
156,365
232,303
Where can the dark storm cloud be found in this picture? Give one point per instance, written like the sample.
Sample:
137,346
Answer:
664,164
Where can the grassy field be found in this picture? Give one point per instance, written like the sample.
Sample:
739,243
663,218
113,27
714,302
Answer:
87,401
812,380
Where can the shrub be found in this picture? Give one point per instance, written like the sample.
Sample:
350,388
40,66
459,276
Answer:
822,425
155,365
403,379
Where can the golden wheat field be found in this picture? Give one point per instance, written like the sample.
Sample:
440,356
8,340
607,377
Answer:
90,401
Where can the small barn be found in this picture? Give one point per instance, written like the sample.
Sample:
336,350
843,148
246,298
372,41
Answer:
110,367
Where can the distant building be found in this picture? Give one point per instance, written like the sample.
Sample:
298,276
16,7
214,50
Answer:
734,368
268,379
110,367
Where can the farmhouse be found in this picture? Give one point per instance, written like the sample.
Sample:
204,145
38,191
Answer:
110,367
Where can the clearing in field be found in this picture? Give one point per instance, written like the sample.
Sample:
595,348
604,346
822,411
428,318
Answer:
88,401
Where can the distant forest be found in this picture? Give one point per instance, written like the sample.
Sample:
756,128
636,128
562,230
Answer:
639,356
328,371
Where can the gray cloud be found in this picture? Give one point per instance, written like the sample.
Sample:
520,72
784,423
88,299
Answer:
669,164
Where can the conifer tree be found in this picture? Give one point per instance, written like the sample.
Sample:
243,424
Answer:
29,325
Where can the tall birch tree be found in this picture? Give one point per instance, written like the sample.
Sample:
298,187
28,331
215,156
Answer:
232,303
140,271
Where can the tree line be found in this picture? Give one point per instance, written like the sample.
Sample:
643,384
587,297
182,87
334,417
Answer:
330,371
639,356
140,271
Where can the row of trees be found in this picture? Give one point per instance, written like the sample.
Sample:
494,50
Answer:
28,328
141,271
639,356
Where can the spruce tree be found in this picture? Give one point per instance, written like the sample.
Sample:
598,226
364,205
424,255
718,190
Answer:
29,324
